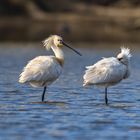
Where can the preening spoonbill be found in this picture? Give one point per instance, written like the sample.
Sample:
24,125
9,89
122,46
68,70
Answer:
108,71
43,70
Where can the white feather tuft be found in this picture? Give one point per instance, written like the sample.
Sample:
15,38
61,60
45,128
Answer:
48,43
126,52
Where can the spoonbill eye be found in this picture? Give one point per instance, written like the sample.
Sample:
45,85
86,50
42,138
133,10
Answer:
60,40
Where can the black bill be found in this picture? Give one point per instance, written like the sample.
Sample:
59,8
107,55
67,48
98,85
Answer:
71,48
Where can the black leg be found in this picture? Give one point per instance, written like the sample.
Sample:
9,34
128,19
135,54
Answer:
106,100
43,93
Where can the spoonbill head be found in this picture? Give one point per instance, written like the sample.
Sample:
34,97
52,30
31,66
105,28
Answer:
44,70
57,41
124,56
108,71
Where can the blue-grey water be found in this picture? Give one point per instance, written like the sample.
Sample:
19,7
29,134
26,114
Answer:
72,112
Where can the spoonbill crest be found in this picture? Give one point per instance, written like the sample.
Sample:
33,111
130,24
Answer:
108,71
43,70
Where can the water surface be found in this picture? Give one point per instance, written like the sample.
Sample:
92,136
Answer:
71,112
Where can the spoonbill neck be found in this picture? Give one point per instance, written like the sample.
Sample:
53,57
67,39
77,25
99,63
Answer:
59,54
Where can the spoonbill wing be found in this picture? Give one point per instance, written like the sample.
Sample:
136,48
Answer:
108,70
42,68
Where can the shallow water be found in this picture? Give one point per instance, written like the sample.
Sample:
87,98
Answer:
70,111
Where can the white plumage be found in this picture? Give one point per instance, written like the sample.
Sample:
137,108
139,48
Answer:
108,71
43,70
105,72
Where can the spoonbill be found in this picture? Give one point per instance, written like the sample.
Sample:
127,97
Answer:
108,71
43,70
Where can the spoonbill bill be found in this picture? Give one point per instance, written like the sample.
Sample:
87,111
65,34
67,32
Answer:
43,70
108,71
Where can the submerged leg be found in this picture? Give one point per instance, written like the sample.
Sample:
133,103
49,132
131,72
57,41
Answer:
43,93
106,100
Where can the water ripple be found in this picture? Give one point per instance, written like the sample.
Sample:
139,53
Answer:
69,111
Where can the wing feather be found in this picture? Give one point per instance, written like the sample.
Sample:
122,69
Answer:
108,70
42,68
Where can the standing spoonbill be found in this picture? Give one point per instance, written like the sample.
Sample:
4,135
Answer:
43,70
108,71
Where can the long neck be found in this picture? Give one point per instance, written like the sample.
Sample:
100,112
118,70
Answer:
59,54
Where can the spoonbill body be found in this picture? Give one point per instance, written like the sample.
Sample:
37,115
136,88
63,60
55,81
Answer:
108,71
44,70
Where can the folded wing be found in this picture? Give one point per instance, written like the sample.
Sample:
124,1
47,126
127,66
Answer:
41,69
108,70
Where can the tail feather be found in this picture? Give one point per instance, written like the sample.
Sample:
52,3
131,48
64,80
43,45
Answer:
84,84
22,78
